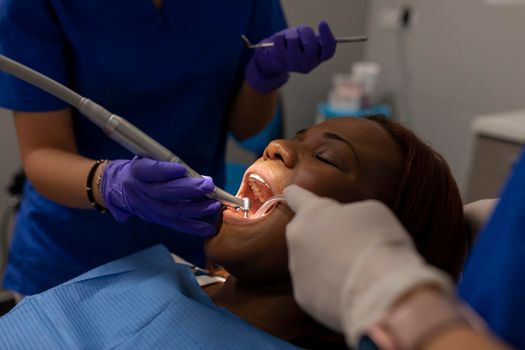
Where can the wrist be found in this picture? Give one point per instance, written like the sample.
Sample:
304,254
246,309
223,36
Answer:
419,318
97,192
93,185
417,291
397,271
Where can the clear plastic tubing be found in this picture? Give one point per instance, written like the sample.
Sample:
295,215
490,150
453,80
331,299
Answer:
267,205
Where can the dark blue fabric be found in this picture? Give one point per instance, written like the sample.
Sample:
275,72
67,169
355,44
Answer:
493,282
144,301
172,72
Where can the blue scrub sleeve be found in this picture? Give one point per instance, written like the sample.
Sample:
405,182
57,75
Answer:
267,19
30,33
493,282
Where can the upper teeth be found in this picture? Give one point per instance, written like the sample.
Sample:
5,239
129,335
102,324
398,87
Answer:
258,178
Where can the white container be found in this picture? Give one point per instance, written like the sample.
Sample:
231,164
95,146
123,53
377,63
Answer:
346,97
366,74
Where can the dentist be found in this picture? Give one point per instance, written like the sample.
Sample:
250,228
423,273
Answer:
180,72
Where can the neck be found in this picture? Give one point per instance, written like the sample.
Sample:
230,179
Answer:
271,310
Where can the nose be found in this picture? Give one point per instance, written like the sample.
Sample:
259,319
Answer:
282,150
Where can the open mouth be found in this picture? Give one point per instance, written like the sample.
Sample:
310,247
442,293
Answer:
262,197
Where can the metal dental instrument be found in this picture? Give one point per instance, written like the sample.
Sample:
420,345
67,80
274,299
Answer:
344,39
117,128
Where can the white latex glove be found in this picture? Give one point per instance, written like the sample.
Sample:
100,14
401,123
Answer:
350,263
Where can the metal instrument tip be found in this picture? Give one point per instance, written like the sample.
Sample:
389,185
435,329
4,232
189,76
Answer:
246,206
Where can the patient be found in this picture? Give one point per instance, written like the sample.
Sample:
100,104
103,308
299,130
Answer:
346,159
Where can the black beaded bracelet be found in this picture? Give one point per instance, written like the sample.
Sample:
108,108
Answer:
89,186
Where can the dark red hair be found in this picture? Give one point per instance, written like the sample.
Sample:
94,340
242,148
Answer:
427,201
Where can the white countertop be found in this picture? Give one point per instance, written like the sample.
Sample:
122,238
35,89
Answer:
509,126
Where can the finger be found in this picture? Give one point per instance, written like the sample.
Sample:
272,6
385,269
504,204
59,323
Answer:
279,42
181,188
182,209
294,50
297,197
141,206
154,210
310,50
278,58
327,40
200,208
150,170
309,41
270,59
193,227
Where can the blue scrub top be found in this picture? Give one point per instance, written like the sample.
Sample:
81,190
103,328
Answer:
493,282
172,72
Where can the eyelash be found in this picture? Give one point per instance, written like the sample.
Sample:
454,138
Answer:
324,160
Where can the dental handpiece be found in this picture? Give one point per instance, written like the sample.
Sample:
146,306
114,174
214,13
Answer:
117,128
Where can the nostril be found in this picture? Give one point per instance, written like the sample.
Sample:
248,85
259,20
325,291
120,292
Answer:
273,151
278,156
281,150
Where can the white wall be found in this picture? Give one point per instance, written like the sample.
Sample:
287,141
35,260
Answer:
9,164
464,58
304,92
9,156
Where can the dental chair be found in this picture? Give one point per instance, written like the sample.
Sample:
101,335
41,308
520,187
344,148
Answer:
14,196
477,214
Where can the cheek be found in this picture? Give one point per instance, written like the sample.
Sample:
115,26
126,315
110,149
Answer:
312,178
329,183
272,257
253,251
229,245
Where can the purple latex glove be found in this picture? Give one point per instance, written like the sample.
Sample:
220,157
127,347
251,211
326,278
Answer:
295,50
158,192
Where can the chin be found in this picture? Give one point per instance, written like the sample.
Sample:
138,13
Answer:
254,247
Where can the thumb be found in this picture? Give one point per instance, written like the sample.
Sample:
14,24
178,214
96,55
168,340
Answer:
328,41
297,197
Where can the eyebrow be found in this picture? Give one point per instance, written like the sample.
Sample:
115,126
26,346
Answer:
300,132
336,137
332,136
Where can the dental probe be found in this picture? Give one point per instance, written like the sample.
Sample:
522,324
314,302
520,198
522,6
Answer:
117,128
344,39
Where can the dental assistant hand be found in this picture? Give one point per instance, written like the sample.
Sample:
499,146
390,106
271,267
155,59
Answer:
296,49
351,262
158,192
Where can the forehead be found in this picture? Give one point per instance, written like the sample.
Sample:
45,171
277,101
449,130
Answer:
375,147
362,133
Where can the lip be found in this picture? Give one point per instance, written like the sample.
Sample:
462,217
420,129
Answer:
263,171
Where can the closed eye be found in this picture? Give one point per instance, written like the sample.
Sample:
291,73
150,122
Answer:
325,160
